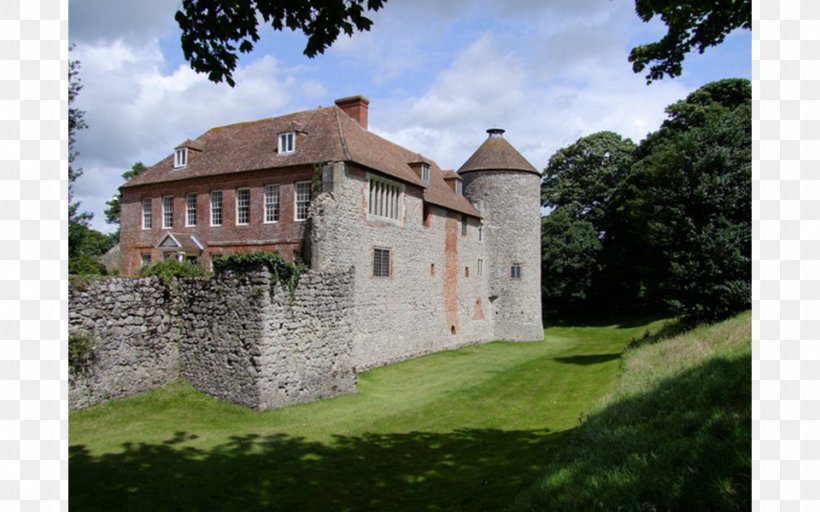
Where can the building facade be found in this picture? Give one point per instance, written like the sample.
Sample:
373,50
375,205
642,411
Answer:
441,258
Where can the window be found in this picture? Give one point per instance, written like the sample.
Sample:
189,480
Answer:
243,206
287,143
381,262
425,173
216,208
190,210
146,214
459,187
167,212
180,157
428,215
271,203
515,271
467,272
302,200
145,259
481,232
479,267
463,225
384,198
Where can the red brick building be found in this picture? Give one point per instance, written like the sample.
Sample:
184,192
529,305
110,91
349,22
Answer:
248,186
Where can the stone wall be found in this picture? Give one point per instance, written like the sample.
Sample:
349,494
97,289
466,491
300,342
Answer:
431,301
235,336
133,333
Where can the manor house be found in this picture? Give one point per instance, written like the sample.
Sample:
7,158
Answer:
441,258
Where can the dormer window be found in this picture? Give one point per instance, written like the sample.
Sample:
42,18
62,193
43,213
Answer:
180,157
425,173
287,143
459,187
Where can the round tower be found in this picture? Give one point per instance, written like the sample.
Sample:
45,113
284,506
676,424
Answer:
506,190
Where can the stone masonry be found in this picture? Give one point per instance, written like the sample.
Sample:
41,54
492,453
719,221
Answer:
236,337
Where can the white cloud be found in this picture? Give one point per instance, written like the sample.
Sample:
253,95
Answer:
137,112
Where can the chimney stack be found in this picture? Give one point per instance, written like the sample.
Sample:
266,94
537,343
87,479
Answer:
355,107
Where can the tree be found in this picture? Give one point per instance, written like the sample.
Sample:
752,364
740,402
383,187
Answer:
569,260
112,213
76,122
584,174
691,24
211,29
685,212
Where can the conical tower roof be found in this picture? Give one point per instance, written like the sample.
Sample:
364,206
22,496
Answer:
496,154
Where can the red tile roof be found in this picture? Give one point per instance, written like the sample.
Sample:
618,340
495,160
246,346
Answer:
323,135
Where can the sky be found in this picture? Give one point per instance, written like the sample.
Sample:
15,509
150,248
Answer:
437,73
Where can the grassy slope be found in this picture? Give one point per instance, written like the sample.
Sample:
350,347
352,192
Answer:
675,435
461,430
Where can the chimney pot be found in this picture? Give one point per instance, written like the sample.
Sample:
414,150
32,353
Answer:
356,107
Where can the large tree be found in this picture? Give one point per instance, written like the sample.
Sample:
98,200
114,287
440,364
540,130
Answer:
685,212
112,213
691,24
215,31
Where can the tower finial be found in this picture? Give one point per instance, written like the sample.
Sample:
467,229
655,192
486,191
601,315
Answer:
495,132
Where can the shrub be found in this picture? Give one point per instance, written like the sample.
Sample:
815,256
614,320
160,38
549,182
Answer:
85,264
170,269
281,271
80,352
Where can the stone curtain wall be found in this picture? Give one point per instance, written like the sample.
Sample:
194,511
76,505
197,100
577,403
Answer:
134,337
234,336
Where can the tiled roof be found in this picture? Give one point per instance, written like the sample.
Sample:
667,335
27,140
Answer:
323,135
496,154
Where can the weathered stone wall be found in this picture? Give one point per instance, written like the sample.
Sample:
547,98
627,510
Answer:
236,337
430,302
129,324
510,203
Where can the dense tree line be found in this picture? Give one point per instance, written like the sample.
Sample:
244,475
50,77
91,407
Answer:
665,223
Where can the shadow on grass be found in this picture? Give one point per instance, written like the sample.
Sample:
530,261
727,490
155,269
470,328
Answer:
589,359
469,469
681,446
620,319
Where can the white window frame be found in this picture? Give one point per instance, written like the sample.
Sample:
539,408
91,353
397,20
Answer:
216,207
180,157
425,173
245,207
382,268
287,143
300,188
384,199
147,219
167,212
190,209
271,204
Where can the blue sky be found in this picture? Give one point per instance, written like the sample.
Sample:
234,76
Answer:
437,74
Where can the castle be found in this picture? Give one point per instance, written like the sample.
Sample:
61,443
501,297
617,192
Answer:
436,258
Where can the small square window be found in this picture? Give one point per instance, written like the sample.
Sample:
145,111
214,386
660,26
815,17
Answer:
381,262
145,259
287,143
515,271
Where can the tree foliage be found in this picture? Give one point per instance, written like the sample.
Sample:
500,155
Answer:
112,213
582,176
215,31
673,229
691,24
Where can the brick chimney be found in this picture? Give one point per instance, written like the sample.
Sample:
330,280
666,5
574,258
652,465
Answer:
355,107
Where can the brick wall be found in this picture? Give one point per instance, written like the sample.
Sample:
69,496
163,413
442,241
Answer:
285,236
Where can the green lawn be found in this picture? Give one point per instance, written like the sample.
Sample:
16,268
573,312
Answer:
463,430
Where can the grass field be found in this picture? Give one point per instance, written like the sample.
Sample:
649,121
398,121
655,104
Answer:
463,430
